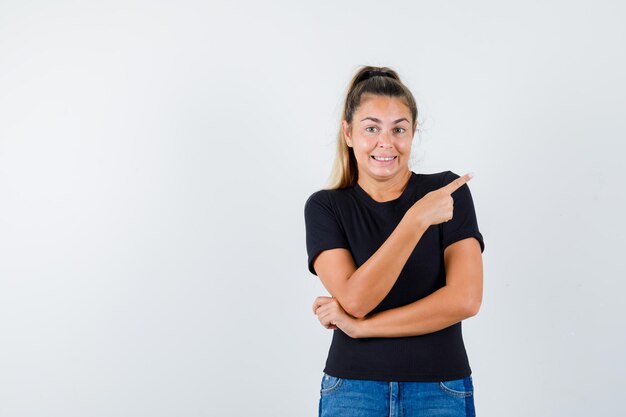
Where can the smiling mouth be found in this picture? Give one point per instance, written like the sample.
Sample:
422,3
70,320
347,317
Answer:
384,159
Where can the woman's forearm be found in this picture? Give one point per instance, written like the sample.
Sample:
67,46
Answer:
438,310
373,280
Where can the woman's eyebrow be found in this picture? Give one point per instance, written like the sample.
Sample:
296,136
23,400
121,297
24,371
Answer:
378,120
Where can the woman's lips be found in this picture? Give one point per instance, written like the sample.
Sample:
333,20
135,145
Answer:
383,163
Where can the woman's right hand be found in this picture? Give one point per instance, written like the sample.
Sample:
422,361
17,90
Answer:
438,205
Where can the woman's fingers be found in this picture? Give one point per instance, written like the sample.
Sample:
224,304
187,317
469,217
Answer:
325,315
457,183
327,319
320,301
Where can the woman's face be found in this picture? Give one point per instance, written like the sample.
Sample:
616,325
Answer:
381,128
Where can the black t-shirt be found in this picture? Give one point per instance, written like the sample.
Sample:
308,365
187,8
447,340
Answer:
349,218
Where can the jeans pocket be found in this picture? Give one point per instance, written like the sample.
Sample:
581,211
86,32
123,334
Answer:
330,383
463,387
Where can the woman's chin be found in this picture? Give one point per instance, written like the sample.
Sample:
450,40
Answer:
384,173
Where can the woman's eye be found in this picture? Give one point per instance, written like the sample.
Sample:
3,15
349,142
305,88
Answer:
371,127
402,129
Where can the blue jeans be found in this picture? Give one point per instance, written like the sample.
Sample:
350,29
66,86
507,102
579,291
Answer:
344,397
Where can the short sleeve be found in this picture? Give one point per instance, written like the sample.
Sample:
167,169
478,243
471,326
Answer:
463,223
323,230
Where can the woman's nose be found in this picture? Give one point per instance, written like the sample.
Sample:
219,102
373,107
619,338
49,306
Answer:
384,141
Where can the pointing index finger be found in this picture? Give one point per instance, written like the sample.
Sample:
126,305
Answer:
458,183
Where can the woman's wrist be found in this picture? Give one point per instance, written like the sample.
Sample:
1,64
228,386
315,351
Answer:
361,329
418,221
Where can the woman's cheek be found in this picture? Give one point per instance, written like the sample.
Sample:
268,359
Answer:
404,147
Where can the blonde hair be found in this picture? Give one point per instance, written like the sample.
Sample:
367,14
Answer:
382,81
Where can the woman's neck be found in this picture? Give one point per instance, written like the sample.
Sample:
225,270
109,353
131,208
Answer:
386,190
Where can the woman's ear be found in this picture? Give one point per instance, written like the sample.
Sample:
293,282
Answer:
346,132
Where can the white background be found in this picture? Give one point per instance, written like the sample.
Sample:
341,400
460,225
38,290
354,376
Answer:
155,158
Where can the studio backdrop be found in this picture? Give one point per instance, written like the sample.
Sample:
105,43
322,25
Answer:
155,158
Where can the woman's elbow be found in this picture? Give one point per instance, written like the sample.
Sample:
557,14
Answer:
473,307
355,311
350,307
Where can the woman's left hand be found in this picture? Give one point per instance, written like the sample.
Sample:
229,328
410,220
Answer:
331,315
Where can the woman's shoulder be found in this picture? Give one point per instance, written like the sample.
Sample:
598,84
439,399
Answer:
439,174
436,179
327,197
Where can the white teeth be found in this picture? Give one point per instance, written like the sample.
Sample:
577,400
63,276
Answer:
379,158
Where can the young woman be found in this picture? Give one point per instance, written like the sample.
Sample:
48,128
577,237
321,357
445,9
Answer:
401,255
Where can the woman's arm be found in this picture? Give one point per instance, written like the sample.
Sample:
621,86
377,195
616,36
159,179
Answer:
459,299
360,290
